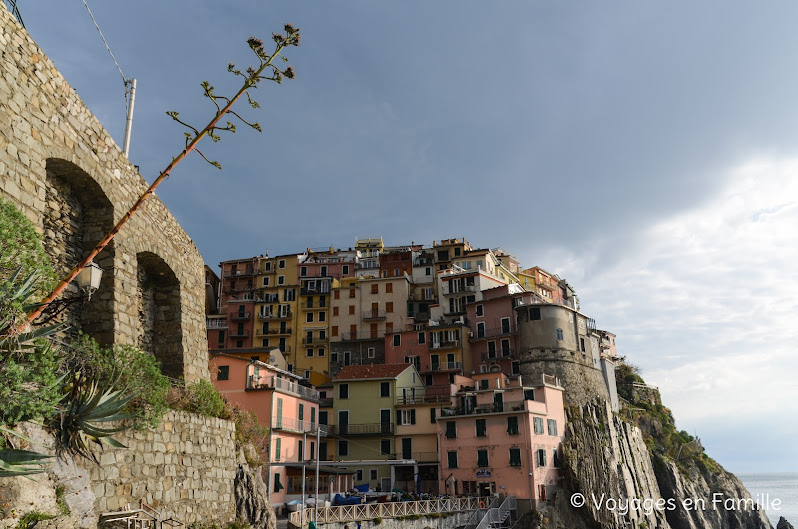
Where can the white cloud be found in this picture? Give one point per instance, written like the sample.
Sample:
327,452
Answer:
706,303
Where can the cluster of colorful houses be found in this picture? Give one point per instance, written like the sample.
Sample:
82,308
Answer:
400,367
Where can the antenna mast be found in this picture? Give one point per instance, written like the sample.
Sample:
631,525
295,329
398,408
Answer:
130,87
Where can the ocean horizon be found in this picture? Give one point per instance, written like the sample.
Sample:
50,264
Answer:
766,487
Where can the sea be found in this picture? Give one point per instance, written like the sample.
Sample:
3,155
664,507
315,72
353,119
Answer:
765,488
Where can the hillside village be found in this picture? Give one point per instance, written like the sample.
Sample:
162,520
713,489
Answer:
421,366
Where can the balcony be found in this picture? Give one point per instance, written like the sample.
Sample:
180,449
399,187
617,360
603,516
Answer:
506,407
275,332
312,306
315,340
286,386
270,298
362,429
498,355
492,333
315,291
445,366
362,335
409,400
454,311
452,290
445,345
249,271
236,334
373,314
420,316
238,288
215,323
240,316
285,315
426,260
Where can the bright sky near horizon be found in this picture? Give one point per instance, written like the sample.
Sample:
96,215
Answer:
647,152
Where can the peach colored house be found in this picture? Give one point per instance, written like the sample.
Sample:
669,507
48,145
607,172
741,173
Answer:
503,437
290,411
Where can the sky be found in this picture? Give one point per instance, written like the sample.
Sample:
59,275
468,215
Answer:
647,152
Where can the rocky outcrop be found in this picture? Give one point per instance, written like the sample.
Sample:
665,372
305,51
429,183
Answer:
608,476
784,524
252,499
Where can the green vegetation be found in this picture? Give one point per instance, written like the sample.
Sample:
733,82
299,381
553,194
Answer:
60,499
32,518
21,248
643,408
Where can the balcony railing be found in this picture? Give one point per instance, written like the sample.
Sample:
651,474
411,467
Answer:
424,261
271,298
492,333
422,399
314,291
459,289
294,425
362,335
282,384
313,306
484,408
216,323
236,334
497,355
239,316
269,332
373,314
240,273
275,316
314,340
445,366
362,429
444,345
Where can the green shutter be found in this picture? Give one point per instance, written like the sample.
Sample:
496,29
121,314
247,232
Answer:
277,443
412,416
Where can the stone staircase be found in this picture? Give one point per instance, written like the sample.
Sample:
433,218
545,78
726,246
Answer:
145,517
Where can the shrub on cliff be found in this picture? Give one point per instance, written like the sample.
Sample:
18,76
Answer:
21,248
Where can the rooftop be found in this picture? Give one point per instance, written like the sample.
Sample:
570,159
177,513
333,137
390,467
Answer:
375,371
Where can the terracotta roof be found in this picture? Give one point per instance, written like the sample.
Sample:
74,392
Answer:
371,371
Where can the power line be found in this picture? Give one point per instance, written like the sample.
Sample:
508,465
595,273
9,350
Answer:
107,47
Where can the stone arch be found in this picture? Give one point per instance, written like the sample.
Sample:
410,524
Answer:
76,216
160,312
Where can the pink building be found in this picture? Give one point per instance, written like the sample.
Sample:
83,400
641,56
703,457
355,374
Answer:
290,411
503,433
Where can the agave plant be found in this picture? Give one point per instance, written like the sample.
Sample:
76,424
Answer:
84,412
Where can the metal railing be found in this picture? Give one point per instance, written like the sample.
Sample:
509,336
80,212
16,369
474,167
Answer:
281,384
480,513
235,316
315,340
241,273
216,324
445,366
287,423
484,408
361,429
261,332
352,513
459,289
373,314
443,345
497,355
272,316
421,399
495,517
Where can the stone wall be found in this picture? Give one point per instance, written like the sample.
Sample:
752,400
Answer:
447,521
65,173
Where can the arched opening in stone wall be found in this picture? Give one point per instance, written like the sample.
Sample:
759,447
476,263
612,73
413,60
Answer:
158,302
77,215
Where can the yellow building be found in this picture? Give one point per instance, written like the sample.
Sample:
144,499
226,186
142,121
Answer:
313,328
277,303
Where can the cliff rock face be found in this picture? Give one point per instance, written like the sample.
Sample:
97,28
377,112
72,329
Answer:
252,499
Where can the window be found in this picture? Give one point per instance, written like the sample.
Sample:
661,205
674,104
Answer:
552,425
333,356
534,313
515,457
373,474
375,288
481,427
323,271
224,373
541,457
335,309
320,352
324,417
559,334
480,310
505,325
482,458
267,266
481,329
221,337
512,425
358,475
309,352
433,415
334,330
397,340
405,417
451,429
266,281
289,295
555,459
389,287
277,448
370,352
581,344
351,309
389,308
307,374
351,292
422,338
343,391
322,334
538,425
309,317
385,446
322,316
343,448
451,456
484,383
301,412
239,343
281,280
277,484
516,368
303,270
281,263
529,394
345,270
385,389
